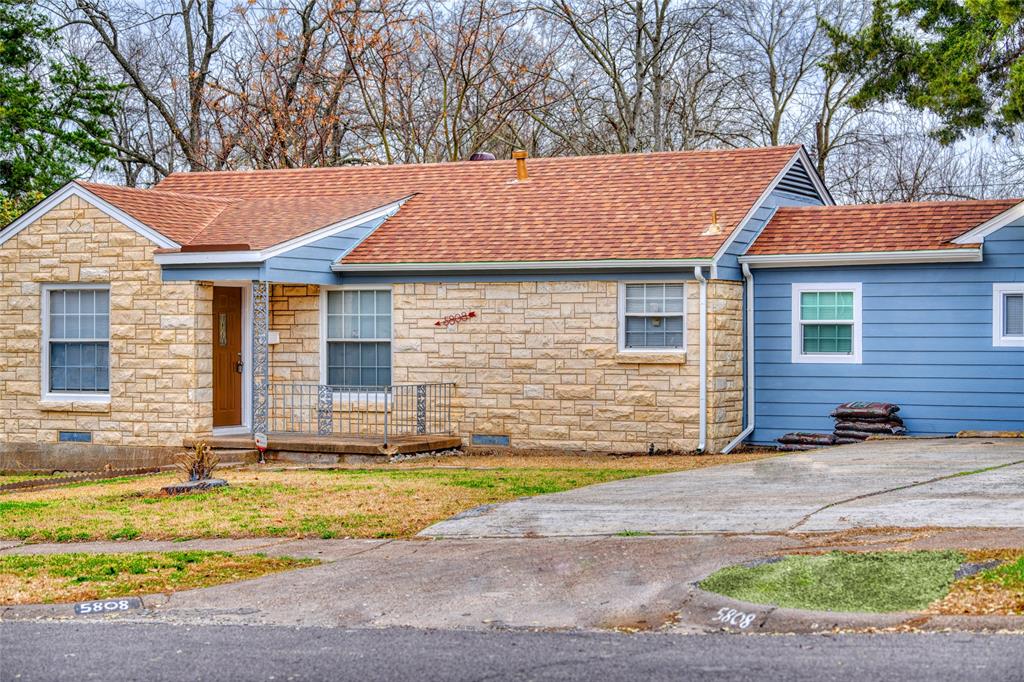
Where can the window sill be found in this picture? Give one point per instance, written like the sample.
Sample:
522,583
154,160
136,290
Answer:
651,357
90,404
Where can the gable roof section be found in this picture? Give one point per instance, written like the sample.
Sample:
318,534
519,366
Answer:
607,208
927,226
80,190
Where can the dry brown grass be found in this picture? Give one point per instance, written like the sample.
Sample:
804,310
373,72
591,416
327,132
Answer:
396,501
82,577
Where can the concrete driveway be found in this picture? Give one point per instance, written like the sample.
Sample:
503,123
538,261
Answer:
956,483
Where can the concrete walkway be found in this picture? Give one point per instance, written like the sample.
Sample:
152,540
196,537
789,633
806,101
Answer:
911,483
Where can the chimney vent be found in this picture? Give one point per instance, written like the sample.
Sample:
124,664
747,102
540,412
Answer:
482,156
714,228
520,156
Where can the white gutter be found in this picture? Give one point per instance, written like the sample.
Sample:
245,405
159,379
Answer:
863,258
703,392
748,276
476,266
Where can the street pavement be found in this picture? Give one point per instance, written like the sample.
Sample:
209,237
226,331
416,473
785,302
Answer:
960,483
156,652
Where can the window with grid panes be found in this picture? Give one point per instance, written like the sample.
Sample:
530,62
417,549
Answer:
78,340
359,338
826,321
653,316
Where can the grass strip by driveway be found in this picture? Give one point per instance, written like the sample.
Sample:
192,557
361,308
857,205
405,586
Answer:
361,503
996,591
875,582
34,579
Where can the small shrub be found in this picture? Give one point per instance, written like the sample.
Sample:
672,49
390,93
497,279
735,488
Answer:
198,463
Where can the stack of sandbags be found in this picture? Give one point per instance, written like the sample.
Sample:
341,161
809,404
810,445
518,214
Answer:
859,420
794,442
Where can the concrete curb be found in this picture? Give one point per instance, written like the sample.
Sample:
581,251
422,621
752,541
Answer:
66,611
715,612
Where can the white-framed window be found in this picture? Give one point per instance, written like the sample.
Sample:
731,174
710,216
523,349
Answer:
652,317
75,358
356,347
1008,314
827,323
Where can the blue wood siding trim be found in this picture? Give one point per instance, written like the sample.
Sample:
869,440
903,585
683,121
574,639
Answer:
927,347
312,263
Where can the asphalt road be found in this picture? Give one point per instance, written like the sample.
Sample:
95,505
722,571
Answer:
154,652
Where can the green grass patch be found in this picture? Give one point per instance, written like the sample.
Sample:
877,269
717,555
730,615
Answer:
30,579
876,582
1009,575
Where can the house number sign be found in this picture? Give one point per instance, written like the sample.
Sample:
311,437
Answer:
449,320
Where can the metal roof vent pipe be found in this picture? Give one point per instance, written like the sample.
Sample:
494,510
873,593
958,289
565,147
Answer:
482,156
520,156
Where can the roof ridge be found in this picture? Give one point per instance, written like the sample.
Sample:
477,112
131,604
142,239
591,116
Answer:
150,191
441,164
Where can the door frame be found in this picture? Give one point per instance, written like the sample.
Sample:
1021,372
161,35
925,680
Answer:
246,426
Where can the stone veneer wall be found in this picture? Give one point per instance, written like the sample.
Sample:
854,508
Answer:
160,335
540,363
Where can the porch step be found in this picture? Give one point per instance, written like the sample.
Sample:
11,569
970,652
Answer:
309,449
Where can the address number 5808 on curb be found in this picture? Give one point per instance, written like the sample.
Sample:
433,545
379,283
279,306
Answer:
734,618
107,606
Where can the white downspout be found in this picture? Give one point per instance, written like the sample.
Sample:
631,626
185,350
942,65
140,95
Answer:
748,276
703,392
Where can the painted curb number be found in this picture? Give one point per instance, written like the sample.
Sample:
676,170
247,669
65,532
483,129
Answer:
734,618
107,606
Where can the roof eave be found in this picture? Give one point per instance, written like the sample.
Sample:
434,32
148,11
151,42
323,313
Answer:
808,260
552,265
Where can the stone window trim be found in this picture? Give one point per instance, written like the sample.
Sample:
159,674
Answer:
1002,293
60,399
342,398
663,355
855,357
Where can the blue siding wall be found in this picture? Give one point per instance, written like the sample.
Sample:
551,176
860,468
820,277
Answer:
927,347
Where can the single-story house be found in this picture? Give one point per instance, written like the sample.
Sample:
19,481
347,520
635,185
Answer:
681,300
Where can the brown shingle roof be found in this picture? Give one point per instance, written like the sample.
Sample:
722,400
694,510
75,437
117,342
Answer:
639,206
859,228
259,222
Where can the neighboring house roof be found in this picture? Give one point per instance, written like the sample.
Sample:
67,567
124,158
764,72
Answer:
870,228
635,206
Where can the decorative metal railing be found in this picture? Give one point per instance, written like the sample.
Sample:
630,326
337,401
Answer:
371,411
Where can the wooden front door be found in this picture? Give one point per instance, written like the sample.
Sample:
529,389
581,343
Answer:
227,356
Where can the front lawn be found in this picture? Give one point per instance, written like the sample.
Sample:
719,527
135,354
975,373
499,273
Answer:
881,582
377,502
33,579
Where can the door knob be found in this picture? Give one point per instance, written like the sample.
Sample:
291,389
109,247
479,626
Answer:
240,364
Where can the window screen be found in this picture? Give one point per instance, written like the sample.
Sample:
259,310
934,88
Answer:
1013,315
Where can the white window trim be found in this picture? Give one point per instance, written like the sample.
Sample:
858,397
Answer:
622,318
999,290
44,349
343,395
796,325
